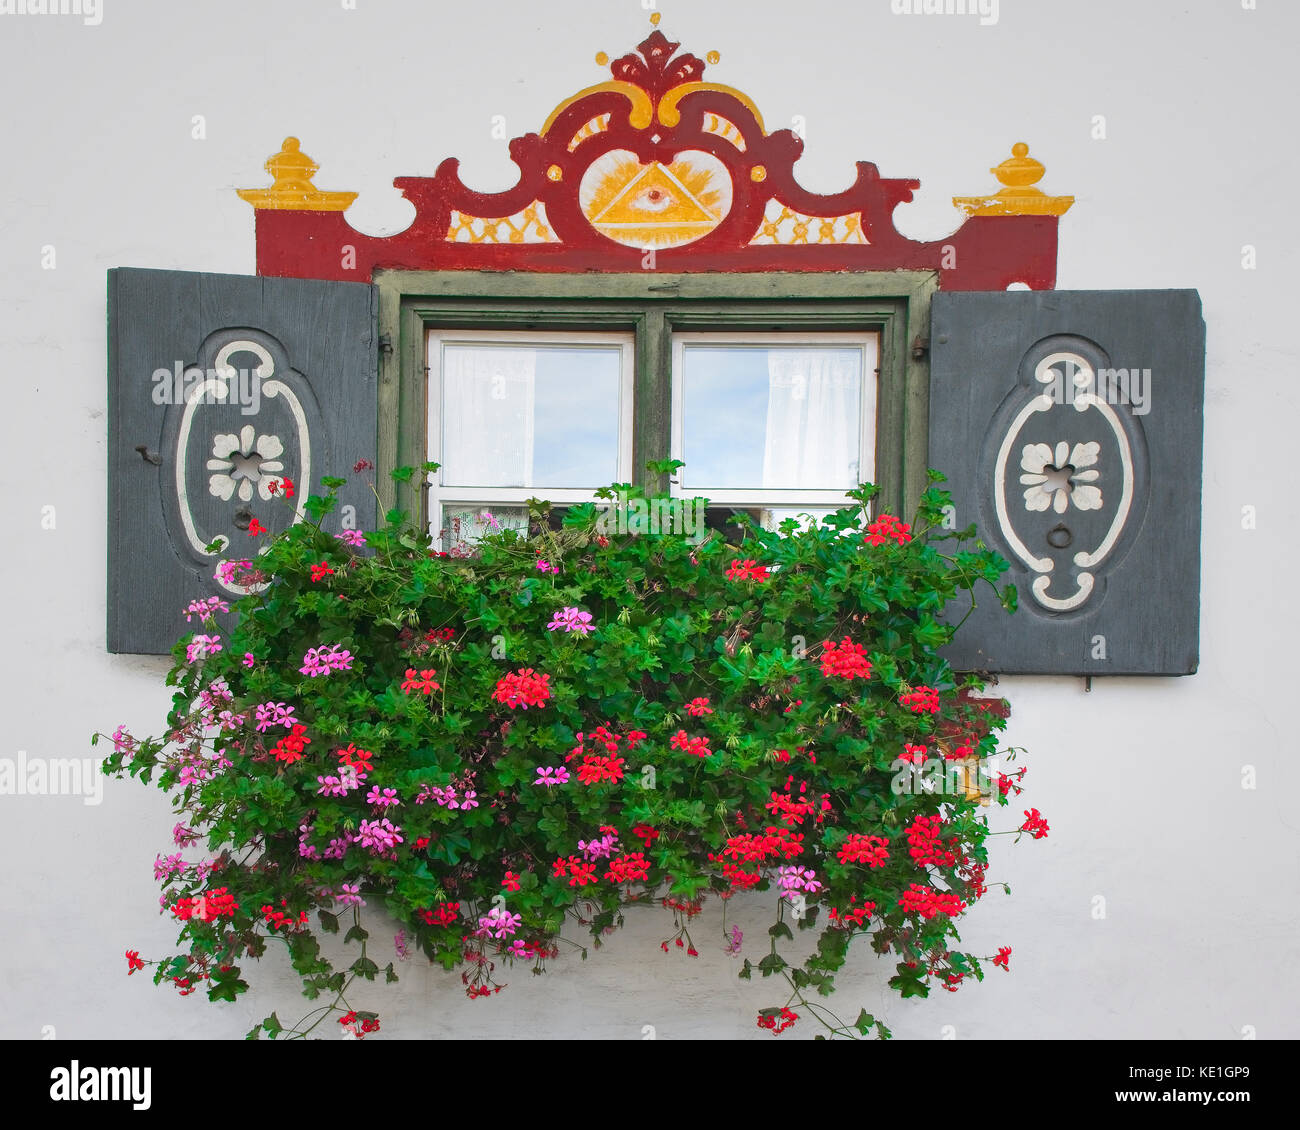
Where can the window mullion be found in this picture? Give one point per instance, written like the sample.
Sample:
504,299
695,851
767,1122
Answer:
652,425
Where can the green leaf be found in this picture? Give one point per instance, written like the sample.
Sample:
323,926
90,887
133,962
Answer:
664,466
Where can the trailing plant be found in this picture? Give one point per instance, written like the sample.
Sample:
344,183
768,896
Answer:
501,747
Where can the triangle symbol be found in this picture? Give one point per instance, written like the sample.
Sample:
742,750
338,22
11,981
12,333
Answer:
654,197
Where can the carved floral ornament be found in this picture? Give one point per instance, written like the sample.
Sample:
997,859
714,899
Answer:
1090,488
1058,478
657,159
243,462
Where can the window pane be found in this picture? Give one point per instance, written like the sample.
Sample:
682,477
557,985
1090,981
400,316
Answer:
803,515
462,526
529,415
727,519
771,417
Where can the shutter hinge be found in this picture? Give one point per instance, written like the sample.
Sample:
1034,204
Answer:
920,348
385,343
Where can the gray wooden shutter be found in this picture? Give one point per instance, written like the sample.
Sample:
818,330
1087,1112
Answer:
1106,560
284,369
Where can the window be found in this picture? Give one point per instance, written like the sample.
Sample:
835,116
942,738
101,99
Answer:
514,414
780,391
775,423
781,424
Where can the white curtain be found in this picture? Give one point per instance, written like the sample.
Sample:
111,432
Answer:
487,415
812,419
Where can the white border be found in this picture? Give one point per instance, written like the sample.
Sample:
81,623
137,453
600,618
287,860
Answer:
1085,381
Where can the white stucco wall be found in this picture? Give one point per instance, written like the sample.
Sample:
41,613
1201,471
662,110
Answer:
1141,780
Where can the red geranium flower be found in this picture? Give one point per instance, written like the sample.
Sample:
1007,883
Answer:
886,527
698,746
916,754
359,759
927,902
445,915
523,688
1035,824
423,683
739,878
926,846
846,659
753,847
581,874
871,850
1007,782
923,700
596,769
628,868
777,1023
289,748
747,570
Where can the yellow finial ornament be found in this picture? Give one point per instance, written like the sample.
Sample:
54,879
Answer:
1019,173
292,171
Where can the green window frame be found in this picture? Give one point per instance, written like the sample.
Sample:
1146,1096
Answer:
654,307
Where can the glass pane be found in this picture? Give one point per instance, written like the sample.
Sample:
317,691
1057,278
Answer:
462,526
771,417
727,519
804,516
530,415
